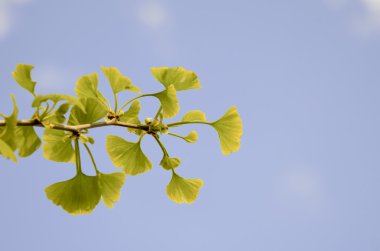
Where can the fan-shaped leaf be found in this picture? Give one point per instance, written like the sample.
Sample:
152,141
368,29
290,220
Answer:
132,114
169,102
127,155
94,110
27,141
110,186
194,116
57,146
192,137
182,190
170,163
230,130
55,98
7,151
8,132
78,195
58,116
118,81
22,75
87,87
181,78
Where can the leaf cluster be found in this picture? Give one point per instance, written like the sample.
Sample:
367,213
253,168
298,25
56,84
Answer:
67,121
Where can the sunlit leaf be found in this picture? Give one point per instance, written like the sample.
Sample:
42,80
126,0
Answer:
131,115
170,163
78,195
58,116
230,130
118,81
87,87
22,75
86,139
94,111
182,190
169,102
181,78
8,132
127,155
27,141
110,186
194,116
191,137
55,98
7,151
57,146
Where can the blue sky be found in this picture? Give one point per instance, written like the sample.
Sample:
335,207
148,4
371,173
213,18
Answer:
304,76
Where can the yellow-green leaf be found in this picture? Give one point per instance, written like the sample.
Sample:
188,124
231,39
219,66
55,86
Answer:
127,155
58,116
191,137
78,195
55,98
182,190
194,116
169,101
131,115
8,132
230,130
94,110
22,75
181,78
27,141
57,146
170,163
7,151
118,81
110,186
87,87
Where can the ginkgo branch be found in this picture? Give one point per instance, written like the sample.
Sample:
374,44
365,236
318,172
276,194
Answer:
77,128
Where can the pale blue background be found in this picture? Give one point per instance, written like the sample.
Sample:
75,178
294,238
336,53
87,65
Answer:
305,76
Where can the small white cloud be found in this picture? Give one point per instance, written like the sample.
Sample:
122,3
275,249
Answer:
365,15
300,187
4,21
5,15
152,14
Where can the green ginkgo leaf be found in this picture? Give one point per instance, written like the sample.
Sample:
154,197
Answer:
94,111
8,132
169,163
169,101
118,81
181,78
78,195
58,116
22,75
182,190
27,141
57,146
87,87
132,114
192,137
7,151
230,130
110,186
194,116
55,98
127,155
